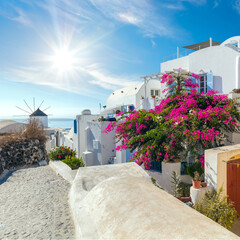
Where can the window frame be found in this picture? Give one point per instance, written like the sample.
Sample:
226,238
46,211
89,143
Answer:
204,76
154,91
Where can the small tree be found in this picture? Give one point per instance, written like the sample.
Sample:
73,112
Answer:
35,130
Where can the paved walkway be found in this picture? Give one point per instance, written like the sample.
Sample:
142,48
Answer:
34,205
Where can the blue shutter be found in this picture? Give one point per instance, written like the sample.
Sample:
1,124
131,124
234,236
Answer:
75,126
209,81
128,155
131,108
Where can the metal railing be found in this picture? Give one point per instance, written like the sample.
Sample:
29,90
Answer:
184,52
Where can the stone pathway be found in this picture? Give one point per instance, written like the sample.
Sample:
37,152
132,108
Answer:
34,205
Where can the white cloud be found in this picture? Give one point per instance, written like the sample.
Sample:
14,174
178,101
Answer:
74,82
108,81
129,18
93,20
144,14
15,14
175,6
22,18
197,2
153,43
140,13
179,5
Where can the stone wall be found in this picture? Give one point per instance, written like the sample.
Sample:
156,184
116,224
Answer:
21,152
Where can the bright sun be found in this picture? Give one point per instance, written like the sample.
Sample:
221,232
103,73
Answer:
63,60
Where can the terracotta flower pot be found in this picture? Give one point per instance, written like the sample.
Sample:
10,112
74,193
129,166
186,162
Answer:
196,184
184,199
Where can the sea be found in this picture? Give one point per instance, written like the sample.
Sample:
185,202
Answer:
66,123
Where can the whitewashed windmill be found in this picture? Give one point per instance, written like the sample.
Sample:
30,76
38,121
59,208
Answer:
36,113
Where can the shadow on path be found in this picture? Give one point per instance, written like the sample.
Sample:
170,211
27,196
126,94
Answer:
4,177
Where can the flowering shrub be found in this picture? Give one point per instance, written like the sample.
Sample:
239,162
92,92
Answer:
185,122
61,153
216,206
73,162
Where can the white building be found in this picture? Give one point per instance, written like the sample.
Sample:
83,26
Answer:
143,95
217,63
88,137
80,124
99,146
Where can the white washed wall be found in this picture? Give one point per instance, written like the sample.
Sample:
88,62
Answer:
221,60
164,179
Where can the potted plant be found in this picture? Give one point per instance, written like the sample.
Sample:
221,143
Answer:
195,171
196,181
181,190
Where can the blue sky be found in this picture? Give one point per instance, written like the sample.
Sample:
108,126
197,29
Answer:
109,44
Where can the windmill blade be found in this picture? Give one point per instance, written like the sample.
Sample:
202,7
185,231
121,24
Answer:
23,110
34,104
41,104
28,106
46,108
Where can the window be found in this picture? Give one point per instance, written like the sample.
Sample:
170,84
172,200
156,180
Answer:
235,44
156,165
124,108
203,84
155,92
206,82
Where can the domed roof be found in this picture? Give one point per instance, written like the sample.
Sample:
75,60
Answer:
120,96
38,113
231,40
86,112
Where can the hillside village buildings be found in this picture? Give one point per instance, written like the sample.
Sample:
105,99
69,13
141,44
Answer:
217,63
88,137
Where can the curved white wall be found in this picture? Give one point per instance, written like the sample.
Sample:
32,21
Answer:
232,40
118,202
